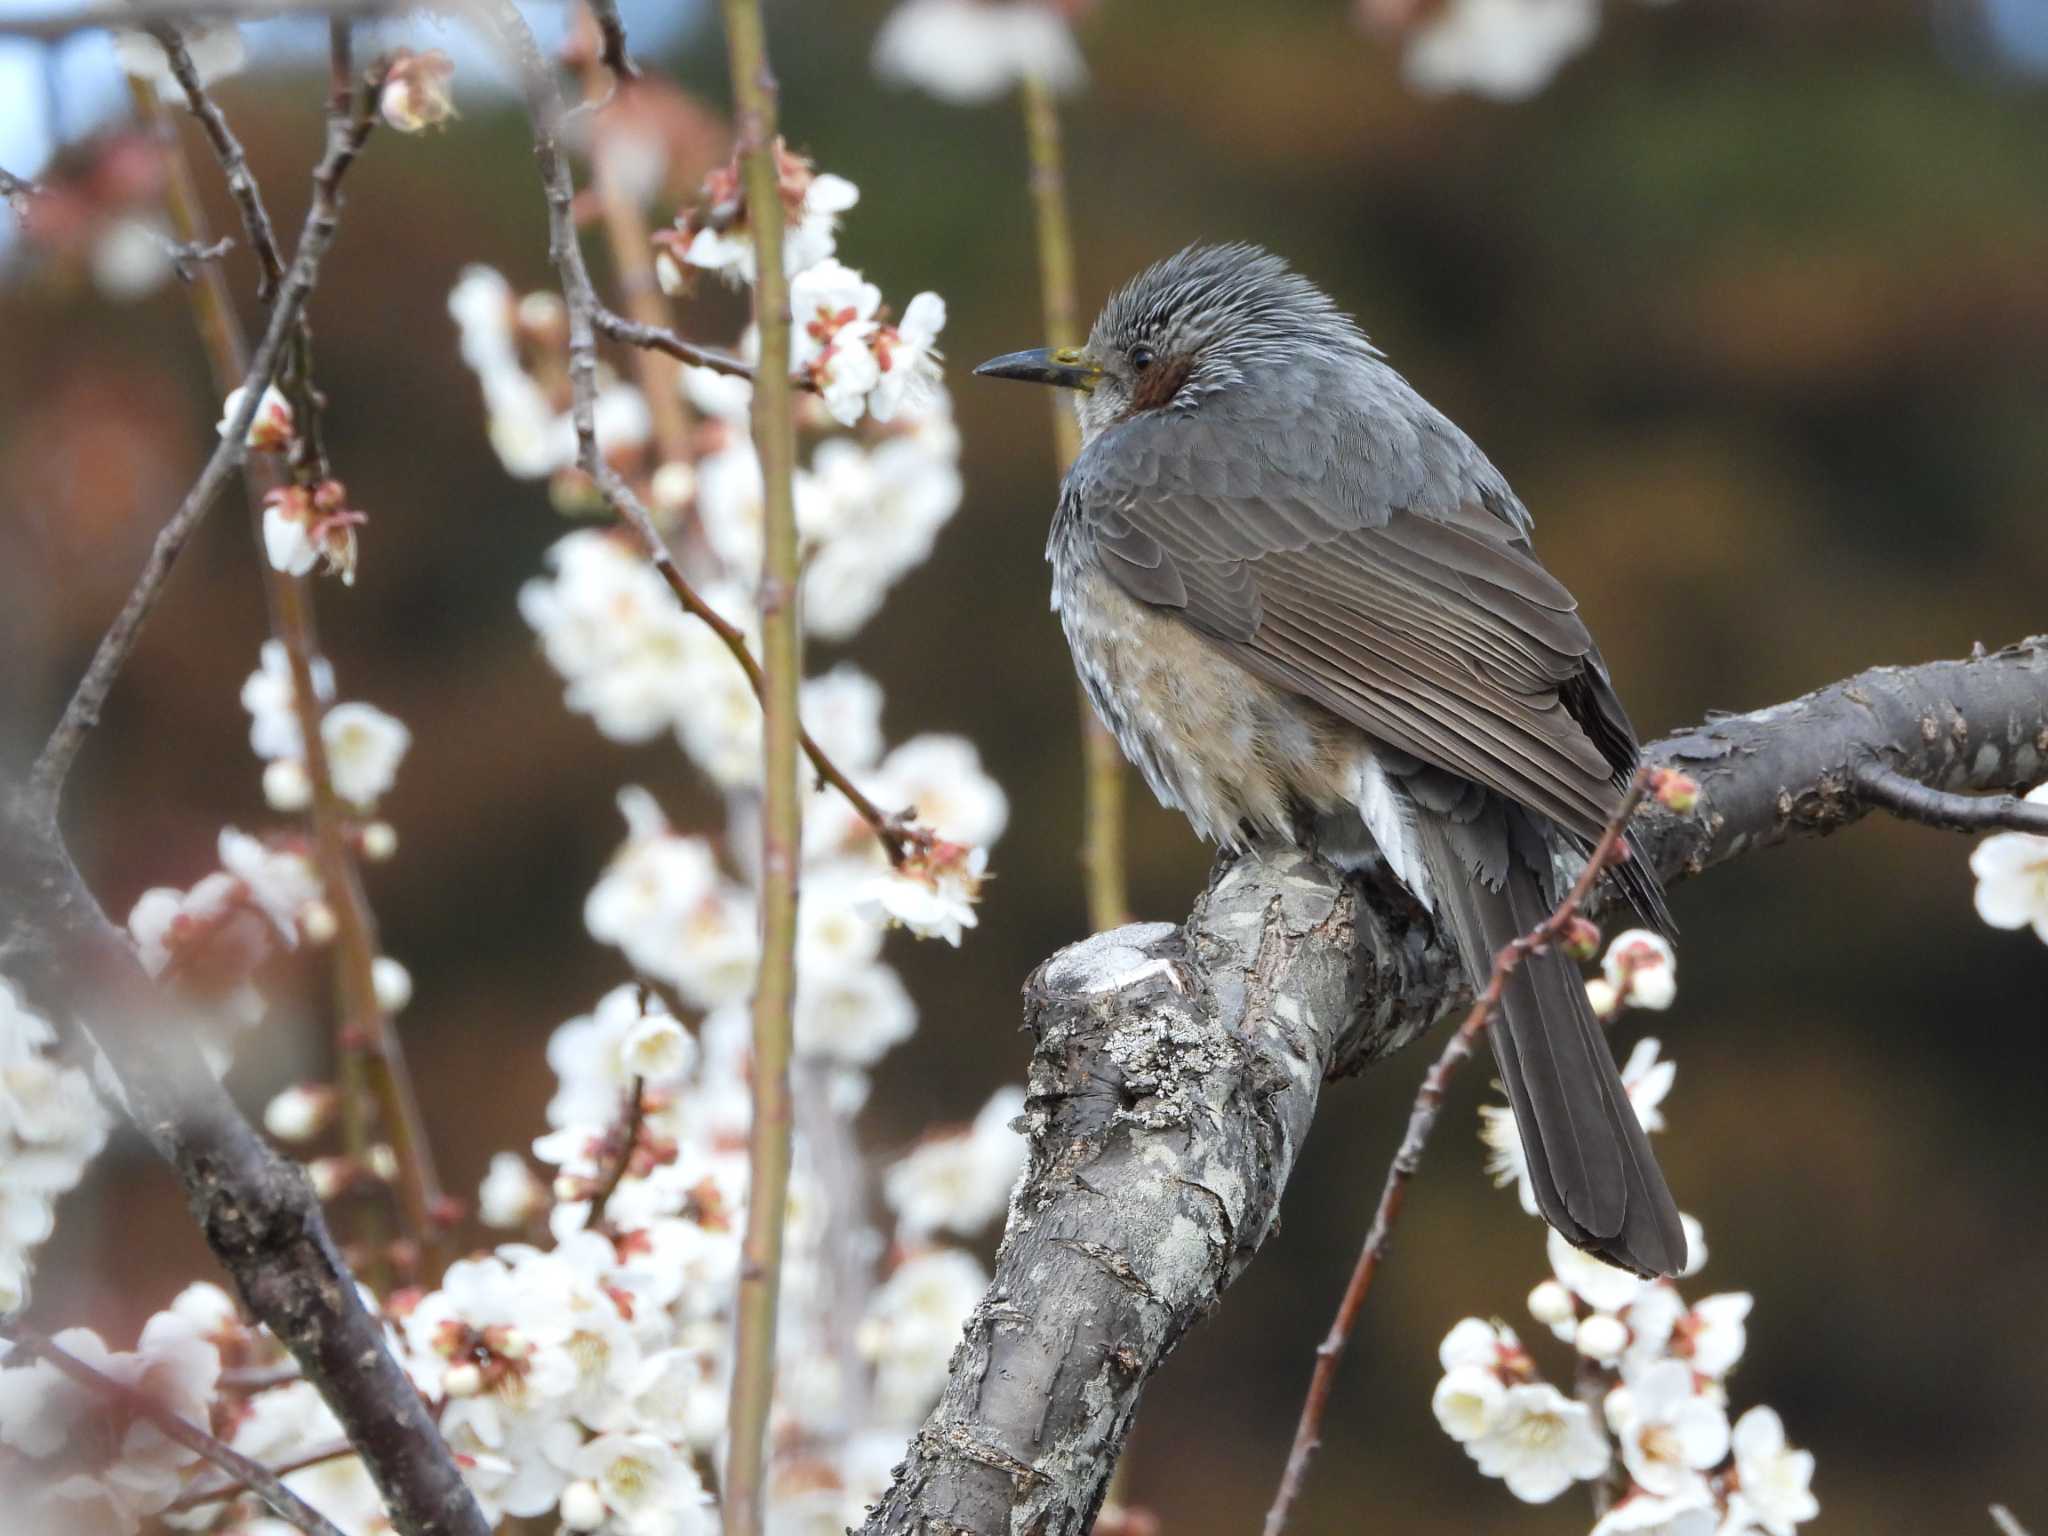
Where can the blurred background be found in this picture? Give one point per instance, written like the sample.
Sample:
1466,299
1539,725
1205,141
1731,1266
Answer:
1750,303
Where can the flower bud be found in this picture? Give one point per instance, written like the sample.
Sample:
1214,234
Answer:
285,785
270,429
380,841
300,1112
1602,1337
318,923
1551,1304
383,1163
392,982
1675,791
331,1177
416,93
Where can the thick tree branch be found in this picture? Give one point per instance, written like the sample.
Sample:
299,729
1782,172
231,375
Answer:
1178,1068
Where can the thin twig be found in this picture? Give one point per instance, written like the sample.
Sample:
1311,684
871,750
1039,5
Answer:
1910,800
2006,1521
254,1476
215,1493
631,1118
755,95
1103,778
658,338
1421,1122
371,1059
613,54
896,832
46,779
631,250
234,164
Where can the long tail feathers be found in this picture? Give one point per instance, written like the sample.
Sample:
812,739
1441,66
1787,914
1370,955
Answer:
1594,1175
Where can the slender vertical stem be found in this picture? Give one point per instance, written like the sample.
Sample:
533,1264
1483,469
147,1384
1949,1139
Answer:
753,1382
1102,849
370,1062
626,236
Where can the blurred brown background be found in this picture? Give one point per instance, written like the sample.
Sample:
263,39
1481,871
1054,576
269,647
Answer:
1752,306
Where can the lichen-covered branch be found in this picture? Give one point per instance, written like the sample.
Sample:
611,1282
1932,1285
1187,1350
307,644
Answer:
1177,1070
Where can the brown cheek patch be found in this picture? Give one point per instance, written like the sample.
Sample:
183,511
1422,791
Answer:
1158,384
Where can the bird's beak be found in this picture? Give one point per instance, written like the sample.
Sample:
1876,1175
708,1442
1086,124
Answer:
1066,368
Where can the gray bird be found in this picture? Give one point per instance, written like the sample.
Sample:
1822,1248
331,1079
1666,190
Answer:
1306,605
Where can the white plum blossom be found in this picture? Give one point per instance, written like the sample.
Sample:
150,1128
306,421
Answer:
269,697
364,748
852,1016
968,51
2012,876
1540,1444
1507,49
1774,1483
940,780
1648,1080
271,427
301,1112
1669,1433
933,894
51,1126
908,359
1469,1402
1691,1512
1642,969
961,1181
1594,1281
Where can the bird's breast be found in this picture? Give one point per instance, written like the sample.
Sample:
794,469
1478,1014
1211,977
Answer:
1212,740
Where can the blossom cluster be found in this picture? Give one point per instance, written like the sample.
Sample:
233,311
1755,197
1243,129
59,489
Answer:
1505,49
2012,876
1660,1437
51,1125
969,51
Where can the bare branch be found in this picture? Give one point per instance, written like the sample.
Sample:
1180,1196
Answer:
2007,1523
216,1493
254,1476
227,149
656,338
587,315
1910,800
1429,1101
1177,1070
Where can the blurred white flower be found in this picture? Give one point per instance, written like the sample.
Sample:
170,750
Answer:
1691,1512
279,882
1541,1443
1594,1281
1647,1081
912,1325
2012,876
300,1112
1474,1341
364,748
1669,1434
268,696
842,709
940,780
511,1193
1506,1161
967,51
1552,1306
961,1181
852,1016
132,257
1601,1337
1774,1483
1507,49
1642,969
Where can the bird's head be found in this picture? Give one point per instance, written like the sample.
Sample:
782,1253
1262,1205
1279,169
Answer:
1188,332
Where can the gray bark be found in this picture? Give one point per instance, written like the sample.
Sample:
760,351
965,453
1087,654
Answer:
1177,1070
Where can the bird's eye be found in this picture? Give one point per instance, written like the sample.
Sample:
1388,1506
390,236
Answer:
1141,358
